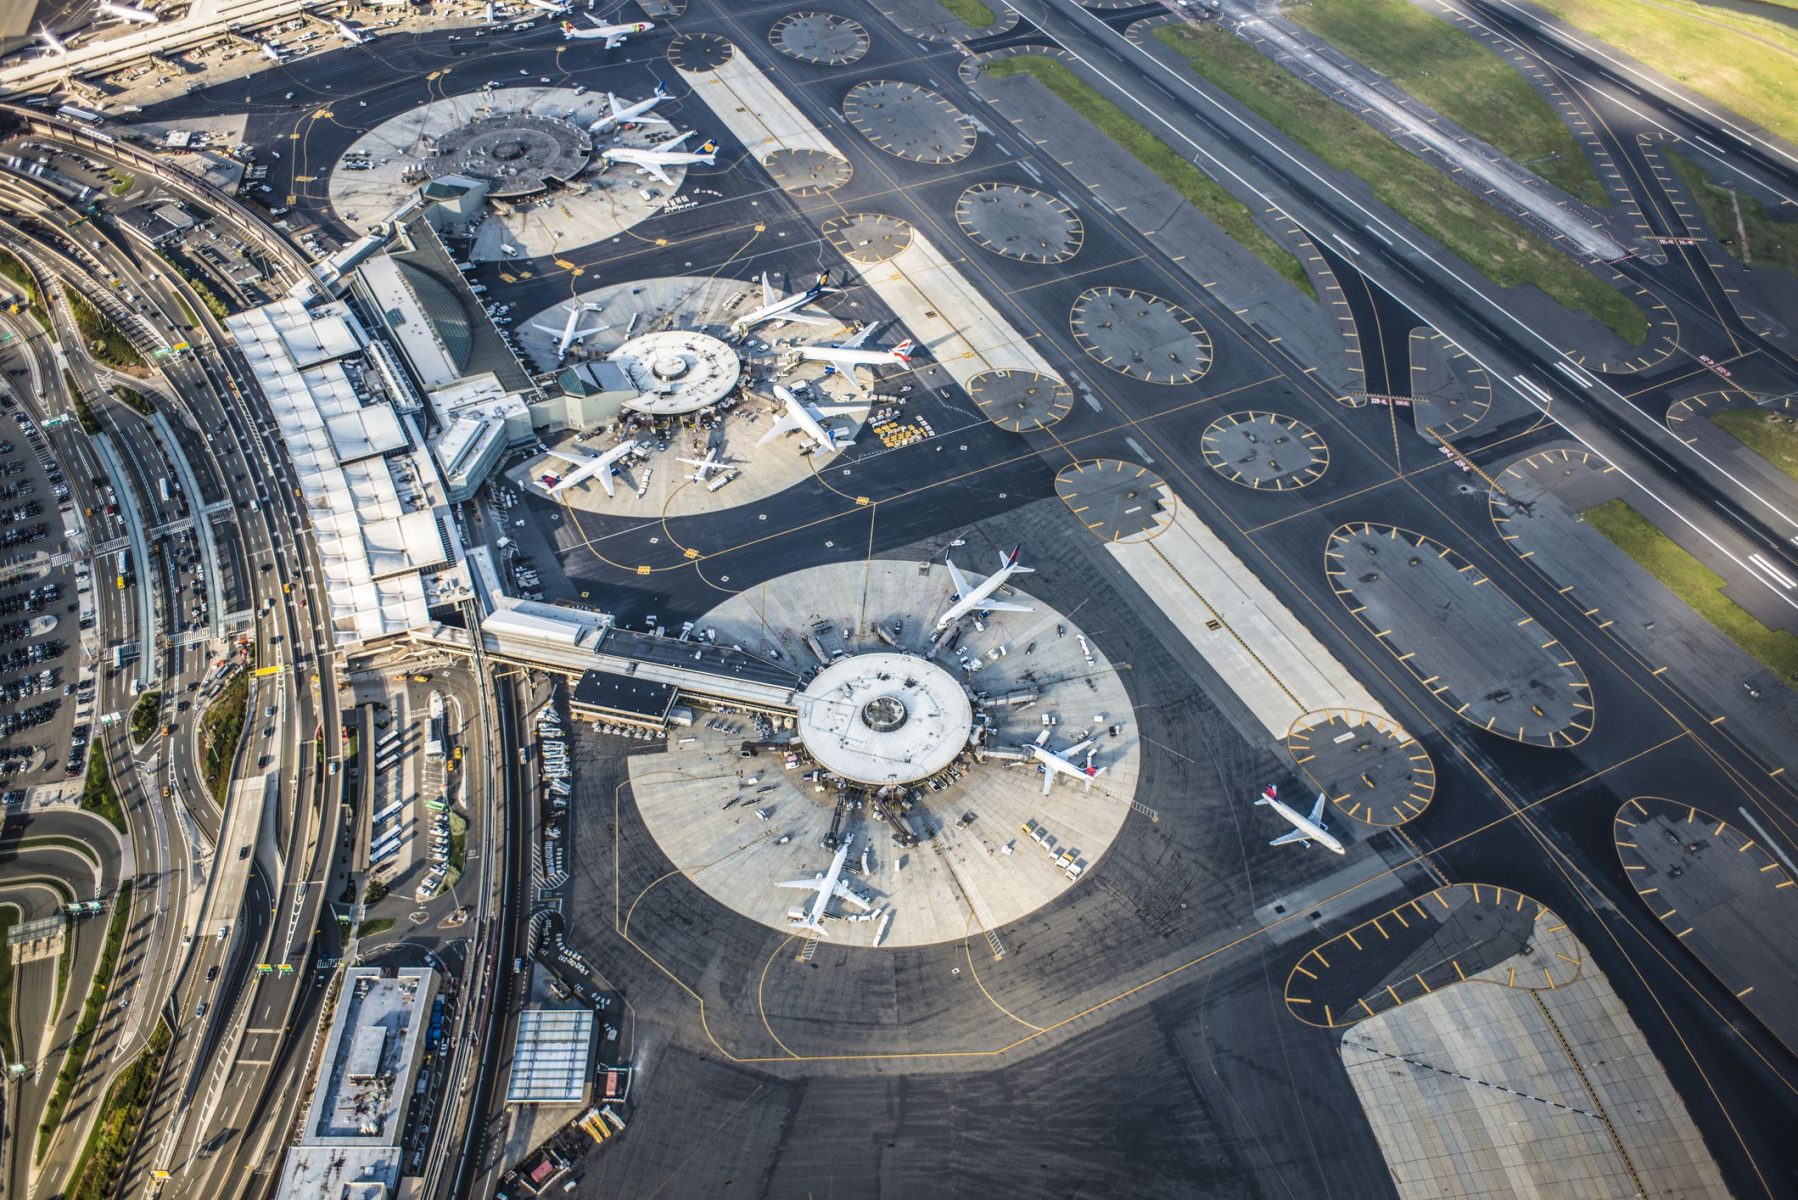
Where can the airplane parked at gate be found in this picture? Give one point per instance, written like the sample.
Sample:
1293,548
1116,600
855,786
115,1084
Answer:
853,352
703,467
128,12
588,466
349,33
786,308
631,114
826,885
1064,763
52,43
569,336
1305,829
978,599
614,34
649,160
809,419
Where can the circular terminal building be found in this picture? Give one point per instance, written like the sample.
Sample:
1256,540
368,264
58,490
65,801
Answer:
884,718
517,154
964,779
677,371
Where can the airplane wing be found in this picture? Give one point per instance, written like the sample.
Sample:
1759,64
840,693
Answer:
617,108
552,330
614,41
783,425
960,581
656,170
809,885
1286,839
1078,748
651,119
674,143
1317,811
860,337
803,319
1006,606
768,293
1048,778
842,892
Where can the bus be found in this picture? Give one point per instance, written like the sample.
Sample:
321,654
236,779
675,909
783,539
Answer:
162,487
124,572
82,116
387,814
438,804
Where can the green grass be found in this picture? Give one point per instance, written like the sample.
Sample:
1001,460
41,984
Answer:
1743,61
1199,189
21,275
377,926
143,717
375,892
97,794
9,1050
1454,73
220,729
122,182
133,399
121,1115
107,341
1771,242
970,12
1772,436
458,848
91,1011
1494,244
1696,584
45,841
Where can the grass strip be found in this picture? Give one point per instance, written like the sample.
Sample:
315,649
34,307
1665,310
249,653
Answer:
1773,436
97,794
1454,73
1771,242
1696,584
15,270
105,339
458,849
143,717
9,1050
374,927
221,727
970,12
1494,244
1743,61
91,1011
1199,189
133,399
121,1116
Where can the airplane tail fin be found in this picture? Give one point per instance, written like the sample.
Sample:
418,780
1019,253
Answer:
1268,795
661,89
902,352
710,150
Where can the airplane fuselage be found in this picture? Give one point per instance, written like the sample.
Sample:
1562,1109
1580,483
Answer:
1311,830
976,599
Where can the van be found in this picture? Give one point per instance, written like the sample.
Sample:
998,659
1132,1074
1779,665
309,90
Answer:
509,250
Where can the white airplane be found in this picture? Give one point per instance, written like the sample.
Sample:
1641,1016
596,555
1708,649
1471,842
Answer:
490,16
271,52
786,308
826,885
127,12
809,419
569,336
555,6
588,466
1305,830
349,33
52,43
703,467
631,114
614,34
1054,764
649,160
976,599
851,353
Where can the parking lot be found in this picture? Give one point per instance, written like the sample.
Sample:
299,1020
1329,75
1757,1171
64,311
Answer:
46,701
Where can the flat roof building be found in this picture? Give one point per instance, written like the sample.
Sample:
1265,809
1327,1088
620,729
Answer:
378,511
552,1057
350,1145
